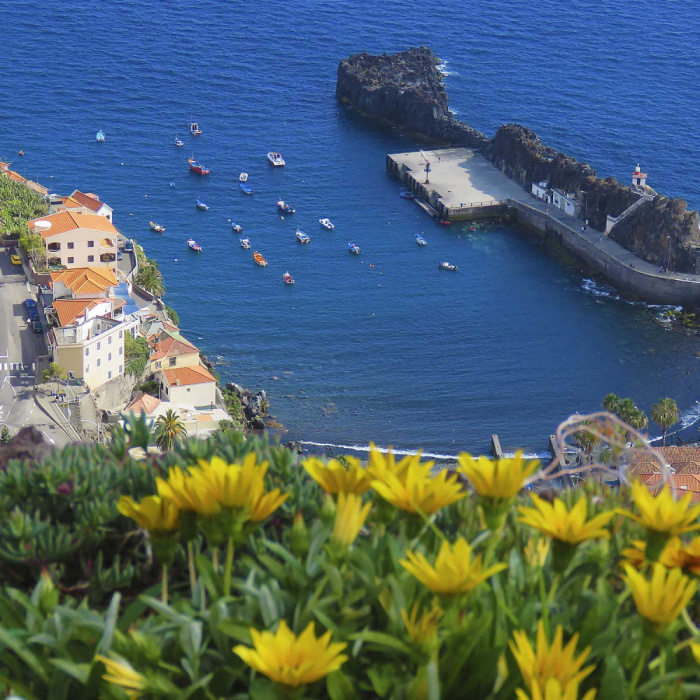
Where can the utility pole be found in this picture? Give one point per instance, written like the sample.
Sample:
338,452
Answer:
668,266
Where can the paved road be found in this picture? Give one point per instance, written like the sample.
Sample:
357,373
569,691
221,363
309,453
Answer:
19,348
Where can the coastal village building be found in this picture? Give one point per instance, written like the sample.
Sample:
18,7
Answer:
75,240
189,385
566,201
541,191
92,202
170,349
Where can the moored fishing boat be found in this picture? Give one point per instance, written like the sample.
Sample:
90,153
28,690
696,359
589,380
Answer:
245,243
420,240
445,222
355,249
194,129
197,167
407,194
302,237
275,158
287,278
284,208
201,205
246,189
100,136
259,259
193,245
326,223
237,228
178,141
156,227
448,266
243,177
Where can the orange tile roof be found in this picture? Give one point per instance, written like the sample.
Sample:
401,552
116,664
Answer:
683,459
170,344
64,221
87,200
86,280
15,176
143,403
182,376
71,203
683,483
69,310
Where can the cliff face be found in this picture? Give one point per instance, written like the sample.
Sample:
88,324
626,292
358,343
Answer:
406,90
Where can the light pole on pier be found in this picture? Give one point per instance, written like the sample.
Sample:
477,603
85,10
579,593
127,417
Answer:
668,266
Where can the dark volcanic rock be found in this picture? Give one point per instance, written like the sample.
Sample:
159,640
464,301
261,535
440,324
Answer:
255,406
28,444
406,90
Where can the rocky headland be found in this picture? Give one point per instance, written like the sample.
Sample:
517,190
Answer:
406,90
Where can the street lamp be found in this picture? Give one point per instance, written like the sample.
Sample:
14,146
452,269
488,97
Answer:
668,266
585,205
97,425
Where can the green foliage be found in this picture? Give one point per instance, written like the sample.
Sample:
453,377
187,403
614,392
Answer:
626,410
5,435
169,428
174,316
136,354
149,276
18,205
234,407
54,371
665,414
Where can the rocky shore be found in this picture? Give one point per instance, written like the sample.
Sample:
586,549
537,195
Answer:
406,90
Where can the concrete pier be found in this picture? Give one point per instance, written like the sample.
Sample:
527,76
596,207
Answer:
463,186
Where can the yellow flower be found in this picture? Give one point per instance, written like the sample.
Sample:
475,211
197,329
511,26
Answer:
661,600
123,675
695,648
689,557
498,479
541,665
349,518
455,572
335,476
410,485
423,631
188,492
153,513
266,505
554,691
536,552
292,660
671,557
559,523
662,513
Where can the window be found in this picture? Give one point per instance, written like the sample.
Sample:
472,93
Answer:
109,374
98,345
91,244
121,368
121,351
188,388
109,340
71,246
173,361
120,333
98,361
109,357
159,364
91,258
87,351
71,261
87,368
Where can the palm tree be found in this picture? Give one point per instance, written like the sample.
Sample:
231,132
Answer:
587,442
665,413
150,278
169,428
611,403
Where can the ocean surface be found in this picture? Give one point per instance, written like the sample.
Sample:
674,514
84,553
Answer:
381,346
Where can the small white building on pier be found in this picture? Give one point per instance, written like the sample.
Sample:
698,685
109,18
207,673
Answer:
541,191
566,201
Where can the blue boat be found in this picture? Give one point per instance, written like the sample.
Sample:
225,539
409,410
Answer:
201,205
237,228
407,194
420,240
302,237
355,249
100,136
245,189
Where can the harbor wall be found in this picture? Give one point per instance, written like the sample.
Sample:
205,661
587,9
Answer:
655,288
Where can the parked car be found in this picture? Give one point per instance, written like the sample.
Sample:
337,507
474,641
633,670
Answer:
15,259
33,314
119,255
29,304
129,246
36,326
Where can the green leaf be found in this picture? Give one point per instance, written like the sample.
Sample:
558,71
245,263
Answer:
613,685
235,630
268,606
110,624
25,654
383,640
80,672
339,687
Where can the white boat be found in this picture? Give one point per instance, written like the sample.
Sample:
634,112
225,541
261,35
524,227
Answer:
245,243
275,157
237,228
302,237
193,245
178,141
194,129
420,240
326,223
100,136
288,279
243,177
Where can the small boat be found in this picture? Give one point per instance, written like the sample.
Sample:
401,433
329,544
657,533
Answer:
287,278
355,249
178,141
245,243
302,237
246,189
259,259
197,167
20,153
243,177
275,157
420,240
447,266
194,129
284,208
193,245
407,194
326,223
473,228
158,228
100,136
237,228
201,205
445,222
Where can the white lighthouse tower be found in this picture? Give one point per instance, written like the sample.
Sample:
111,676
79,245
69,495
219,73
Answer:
639,179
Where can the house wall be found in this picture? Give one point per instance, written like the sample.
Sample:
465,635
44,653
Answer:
194,394
103,357
189,360
70,357
80,255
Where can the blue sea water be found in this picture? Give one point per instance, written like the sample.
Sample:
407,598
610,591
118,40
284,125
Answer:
382,346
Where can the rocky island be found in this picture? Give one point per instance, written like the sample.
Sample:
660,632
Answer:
406,90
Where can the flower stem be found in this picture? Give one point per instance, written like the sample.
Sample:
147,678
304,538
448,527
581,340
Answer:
164,587
215,560
190,564
228,566
638,670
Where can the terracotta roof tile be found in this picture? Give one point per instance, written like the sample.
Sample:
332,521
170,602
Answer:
182,376
143,403
86,280
684,460
69,310
15,176
683,483
170,344
87,200
64,221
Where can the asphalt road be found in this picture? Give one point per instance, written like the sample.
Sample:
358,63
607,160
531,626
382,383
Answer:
19,348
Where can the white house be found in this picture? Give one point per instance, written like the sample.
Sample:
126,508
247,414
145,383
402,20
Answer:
541,191
188,385
566,201
92,202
